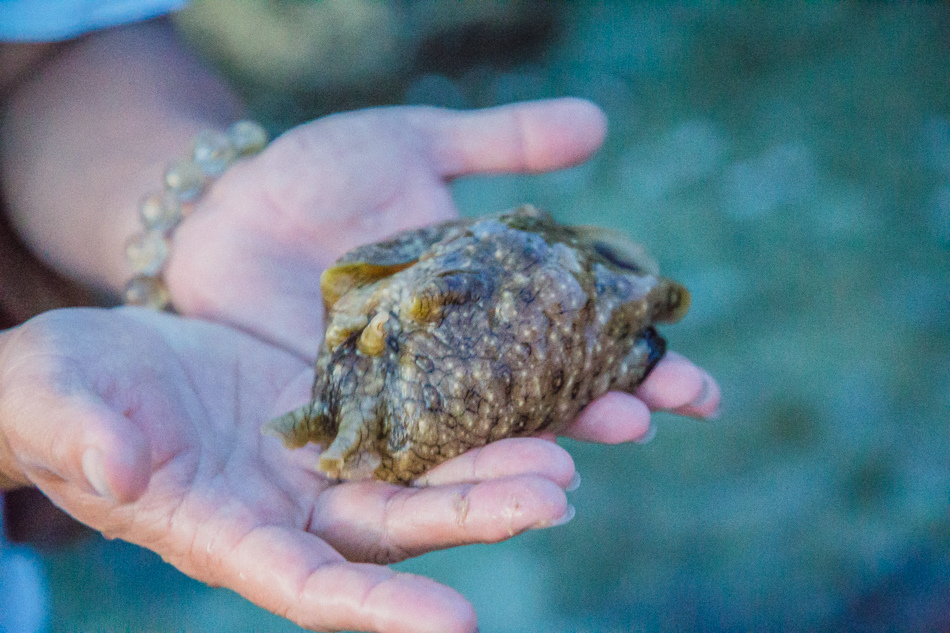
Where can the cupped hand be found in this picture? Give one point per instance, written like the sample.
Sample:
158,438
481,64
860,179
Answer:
146,427
252,252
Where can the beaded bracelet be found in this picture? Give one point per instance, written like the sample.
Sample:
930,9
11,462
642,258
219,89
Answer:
211,153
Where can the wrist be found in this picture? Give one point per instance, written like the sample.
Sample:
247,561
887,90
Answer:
208,156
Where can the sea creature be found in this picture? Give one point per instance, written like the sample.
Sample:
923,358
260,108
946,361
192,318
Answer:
448,337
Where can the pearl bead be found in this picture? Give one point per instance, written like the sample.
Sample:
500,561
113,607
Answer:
247,137
213,152
160,212
184,179
147,291
146,252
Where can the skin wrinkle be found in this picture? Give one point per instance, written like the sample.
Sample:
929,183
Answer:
321,140
128,519
385,539
22,363
310,522
235,465
508,513
245,508
475,460
520,138
304,513
180,517
277,213
366,597
163,533
310,576
13,436
371,221
286,609
429,127
217,551
205,302
188,483
450,158
290,610
207,554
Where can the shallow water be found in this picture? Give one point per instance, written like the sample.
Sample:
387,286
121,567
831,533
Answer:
791,166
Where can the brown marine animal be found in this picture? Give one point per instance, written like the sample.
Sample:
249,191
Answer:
446,338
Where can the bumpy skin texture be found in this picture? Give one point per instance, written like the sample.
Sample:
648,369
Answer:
449,337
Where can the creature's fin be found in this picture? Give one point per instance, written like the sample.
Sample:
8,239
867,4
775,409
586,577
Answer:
371,262
339,279
349,457
300,426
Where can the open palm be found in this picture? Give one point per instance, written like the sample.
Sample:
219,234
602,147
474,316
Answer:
146,427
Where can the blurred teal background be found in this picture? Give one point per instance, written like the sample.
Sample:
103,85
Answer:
791,165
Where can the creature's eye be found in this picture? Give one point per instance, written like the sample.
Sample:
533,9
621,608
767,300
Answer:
447,289
617,259
617,250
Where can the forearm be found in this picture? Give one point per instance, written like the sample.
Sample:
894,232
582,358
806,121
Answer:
92,132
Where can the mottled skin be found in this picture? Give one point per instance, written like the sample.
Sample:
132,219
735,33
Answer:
449,337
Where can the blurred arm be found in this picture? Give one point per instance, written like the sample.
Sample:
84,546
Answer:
90,131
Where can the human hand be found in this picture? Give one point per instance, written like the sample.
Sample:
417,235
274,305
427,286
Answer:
146,426
252,252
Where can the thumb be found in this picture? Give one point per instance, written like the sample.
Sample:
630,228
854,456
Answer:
79,442
115,456
529,137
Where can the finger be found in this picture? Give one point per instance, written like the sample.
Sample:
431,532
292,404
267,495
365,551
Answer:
383,523
527,137
611,419
677,385
295,574
505,458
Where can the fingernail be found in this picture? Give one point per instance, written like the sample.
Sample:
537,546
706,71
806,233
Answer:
648,436
566,518
704,395
94,470
575,483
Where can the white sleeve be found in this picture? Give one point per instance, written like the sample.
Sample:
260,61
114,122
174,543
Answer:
50,20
